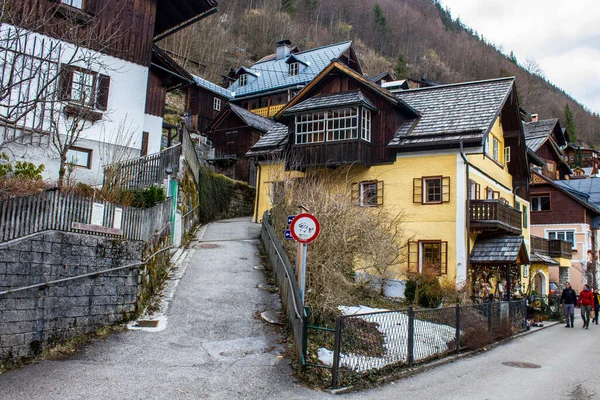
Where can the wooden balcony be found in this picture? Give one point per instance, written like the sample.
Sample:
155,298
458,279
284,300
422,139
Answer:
554,248
329,154
267,112
560,248
494,215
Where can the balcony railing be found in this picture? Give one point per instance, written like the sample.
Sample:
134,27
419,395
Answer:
267,111
494,215
330,154
555,248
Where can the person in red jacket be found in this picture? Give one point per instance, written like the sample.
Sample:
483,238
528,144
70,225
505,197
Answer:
586,301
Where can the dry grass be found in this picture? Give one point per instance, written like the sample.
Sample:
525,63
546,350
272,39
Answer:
352,238
20,186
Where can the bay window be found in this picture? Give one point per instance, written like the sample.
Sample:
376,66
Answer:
333,125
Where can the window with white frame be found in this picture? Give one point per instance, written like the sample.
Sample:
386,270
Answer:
366,125
330,125
496,149
294,68
243,79
82,89
73,3
367,193
568,236
217,104
540,202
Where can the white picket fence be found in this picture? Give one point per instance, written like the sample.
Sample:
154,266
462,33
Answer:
55,210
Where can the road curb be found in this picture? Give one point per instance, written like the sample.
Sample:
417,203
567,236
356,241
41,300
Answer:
434,364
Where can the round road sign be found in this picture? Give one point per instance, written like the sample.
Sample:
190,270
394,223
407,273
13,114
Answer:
305,228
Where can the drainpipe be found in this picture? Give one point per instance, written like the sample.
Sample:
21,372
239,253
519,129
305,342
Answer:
467,213
257,165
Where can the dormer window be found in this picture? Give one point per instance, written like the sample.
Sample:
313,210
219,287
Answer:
73,3
332,125
294,68
243,79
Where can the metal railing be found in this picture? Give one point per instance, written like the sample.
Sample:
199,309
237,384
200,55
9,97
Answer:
365,343
145,171
494,215
288,286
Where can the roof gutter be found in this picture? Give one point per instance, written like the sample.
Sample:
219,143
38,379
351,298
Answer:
168,71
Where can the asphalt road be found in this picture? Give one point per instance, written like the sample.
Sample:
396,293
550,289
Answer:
214,347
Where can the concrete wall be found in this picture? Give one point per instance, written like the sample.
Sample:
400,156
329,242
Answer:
33,319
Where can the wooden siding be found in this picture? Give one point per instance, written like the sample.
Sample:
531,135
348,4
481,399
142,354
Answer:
121,29
200,108
563,209
384,122
156,95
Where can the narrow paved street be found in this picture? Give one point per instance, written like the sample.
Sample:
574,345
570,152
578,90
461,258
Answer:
569,360
213,346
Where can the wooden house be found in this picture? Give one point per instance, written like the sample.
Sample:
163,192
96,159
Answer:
568,210
578,156
434,153
104,66
205,101
546,138
232,133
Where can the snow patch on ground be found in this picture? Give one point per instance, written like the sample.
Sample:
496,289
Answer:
430,339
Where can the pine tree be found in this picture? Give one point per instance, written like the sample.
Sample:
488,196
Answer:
570,124
513,58
380,25
289,6
400,67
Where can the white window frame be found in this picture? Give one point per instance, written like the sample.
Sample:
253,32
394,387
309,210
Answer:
365,188
366,125
243,80
217,104
496,149
507,154
539,203
327,126
425,189
83,87
563,232
74,3
294,69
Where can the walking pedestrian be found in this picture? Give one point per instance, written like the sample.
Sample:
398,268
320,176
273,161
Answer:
586,301
568,300
596,305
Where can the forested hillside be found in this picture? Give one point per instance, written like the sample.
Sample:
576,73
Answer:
414,38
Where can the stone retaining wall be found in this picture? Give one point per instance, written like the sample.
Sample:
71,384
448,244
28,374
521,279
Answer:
33,319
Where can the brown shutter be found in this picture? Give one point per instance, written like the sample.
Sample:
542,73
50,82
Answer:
417,190
355,193
145,139
413,256
66,82
379,193
103,89
445,189
444,258
478,191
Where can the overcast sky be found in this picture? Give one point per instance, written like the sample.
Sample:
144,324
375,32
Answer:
563,36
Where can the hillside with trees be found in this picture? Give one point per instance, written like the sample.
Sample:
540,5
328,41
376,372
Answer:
410,38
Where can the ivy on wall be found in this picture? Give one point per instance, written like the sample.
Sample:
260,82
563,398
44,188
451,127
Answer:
216,192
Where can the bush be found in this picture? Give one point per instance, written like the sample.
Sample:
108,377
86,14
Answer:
145,198
424,290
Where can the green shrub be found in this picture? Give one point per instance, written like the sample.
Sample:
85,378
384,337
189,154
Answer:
424,290
143,198
21,169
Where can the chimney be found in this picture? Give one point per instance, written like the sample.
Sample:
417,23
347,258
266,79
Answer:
283,49
534,118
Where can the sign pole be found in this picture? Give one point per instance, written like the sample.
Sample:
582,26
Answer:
303,270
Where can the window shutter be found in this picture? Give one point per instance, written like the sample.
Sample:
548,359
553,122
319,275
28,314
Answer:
417,190
102,95
66,82
379,193
478,191
145,139
413,256
355,193
444,258
445,189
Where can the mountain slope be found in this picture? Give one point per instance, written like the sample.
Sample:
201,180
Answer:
429,42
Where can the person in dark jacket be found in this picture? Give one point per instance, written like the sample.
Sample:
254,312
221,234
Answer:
586,301
568,299
596,305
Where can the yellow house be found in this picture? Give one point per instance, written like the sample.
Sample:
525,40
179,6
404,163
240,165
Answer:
452,158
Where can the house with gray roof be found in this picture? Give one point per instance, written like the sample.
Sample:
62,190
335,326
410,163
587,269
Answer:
452,157
546,138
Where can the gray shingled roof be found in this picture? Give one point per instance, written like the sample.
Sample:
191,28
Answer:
253,120
452,110
539,128
274,74
272,139
213,87
534,143
543,259
335,100
499,250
